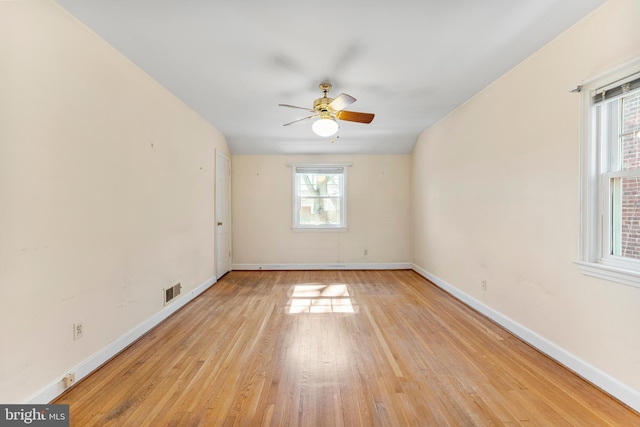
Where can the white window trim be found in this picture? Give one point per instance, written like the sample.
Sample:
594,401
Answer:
296,227
591,261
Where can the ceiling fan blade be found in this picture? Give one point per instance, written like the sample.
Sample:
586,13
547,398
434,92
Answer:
352,116
299,108
341,101
299,120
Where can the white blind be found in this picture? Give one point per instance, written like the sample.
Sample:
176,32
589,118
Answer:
616,89
320,169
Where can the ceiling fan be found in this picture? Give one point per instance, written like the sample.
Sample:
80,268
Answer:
327,110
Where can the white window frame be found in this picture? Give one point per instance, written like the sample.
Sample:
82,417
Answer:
595,257
296,226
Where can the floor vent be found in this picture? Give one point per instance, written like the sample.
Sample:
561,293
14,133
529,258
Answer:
171,293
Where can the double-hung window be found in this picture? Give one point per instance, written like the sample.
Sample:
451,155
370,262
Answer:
319,197
611,180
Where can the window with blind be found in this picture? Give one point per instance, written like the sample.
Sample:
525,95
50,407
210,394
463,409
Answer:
611,180
319,198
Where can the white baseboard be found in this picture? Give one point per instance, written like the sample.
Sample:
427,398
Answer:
327,266
94,362
607,383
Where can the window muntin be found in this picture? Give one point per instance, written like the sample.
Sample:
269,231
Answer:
319,200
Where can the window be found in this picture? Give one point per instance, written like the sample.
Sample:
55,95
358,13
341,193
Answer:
611,179
319,199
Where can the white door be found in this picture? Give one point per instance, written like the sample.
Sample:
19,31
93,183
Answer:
223,214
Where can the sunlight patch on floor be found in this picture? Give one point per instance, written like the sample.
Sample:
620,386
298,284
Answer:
320,298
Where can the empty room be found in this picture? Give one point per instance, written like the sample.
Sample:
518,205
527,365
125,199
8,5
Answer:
354,213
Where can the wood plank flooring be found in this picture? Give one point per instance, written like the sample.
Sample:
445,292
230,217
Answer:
334,348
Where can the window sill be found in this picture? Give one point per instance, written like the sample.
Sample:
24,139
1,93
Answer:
614,274
319,229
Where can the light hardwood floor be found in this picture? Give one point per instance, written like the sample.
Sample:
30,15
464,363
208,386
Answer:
335,348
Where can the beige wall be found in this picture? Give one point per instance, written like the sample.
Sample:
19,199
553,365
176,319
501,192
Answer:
378,213
496,197
106,195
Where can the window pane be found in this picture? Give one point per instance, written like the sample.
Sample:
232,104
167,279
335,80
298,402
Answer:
319,211
630,131
320,185
626,217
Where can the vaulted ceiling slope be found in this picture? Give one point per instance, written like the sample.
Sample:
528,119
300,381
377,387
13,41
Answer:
410,62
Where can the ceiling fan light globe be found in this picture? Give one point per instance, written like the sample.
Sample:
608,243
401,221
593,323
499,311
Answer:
325,127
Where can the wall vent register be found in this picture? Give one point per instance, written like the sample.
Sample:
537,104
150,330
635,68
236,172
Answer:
171,293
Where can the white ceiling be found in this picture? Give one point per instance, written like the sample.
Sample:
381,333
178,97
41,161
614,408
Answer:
410,62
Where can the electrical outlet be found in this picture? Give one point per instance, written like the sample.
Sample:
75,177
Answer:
69,380
366,252
484,285
78,331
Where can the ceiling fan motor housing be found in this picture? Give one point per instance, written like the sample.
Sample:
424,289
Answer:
322,104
